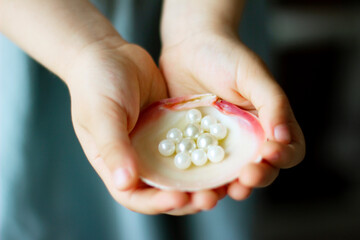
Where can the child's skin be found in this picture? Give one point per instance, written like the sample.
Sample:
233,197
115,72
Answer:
111,80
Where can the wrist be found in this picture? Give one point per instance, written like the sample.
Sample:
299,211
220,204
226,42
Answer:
91,40
87,57
184,19
63,30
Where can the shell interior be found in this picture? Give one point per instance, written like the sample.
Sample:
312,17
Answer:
241,146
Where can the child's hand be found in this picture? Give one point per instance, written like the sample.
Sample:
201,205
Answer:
217,62
108,85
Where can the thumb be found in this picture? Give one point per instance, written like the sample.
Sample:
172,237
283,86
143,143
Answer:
274,109
287,145
110,134
255,83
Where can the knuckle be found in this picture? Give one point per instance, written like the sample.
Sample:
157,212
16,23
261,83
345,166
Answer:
108,150
280,100
294,156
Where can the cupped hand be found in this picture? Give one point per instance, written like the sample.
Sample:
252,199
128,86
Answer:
217,62
109,84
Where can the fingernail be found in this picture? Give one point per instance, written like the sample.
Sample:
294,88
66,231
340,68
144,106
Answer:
121,178
282,133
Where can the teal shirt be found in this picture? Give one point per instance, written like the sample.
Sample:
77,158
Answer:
48,189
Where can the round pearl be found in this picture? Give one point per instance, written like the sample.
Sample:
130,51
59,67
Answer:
175,135
192,131
215,153
193,116
198,157
186,145
182,160
207,121
218,130
166,147
205,140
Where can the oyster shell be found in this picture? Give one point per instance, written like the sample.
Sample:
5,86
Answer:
244,137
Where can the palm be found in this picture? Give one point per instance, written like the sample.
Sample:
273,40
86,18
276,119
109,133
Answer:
212,66
114,82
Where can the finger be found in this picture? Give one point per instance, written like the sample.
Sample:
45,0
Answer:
110,133
237,191
200,201
205,199
141,198
258,174
152,200
273,109
255,83
158,89
221,192
281,155
89,146
186,210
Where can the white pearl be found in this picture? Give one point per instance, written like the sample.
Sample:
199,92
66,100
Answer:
175,135
186,145
198,157
193,116
215,153
182,160
192,131
207,121
218,130
205,140
166,147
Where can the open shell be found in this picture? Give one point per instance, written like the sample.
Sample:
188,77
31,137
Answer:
244,138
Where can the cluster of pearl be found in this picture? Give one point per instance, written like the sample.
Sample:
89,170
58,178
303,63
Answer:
197,143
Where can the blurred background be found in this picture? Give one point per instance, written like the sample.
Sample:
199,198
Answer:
313,49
